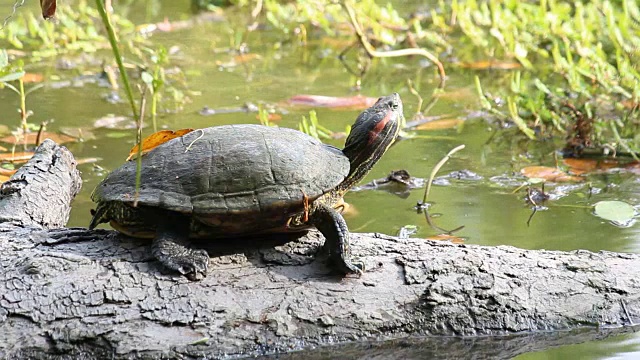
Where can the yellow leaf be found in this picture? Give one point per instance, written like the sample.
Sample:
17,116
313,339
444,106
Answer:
152,141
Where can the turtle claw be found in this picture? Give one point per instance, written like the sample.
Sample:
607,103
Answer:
173,254
348,267
193,264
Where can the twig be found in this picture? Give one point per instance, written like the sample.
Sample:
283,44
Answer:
437,167
372,52
393,53
434,226
16,5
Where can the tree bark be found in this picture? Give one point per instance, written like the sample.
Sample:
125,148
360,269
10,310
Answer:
69,293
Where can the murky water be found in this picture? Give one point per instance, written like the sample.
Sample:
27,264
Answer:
487,208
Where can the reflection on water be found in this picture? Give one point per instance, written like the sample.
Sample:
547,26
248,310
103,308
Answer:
488,209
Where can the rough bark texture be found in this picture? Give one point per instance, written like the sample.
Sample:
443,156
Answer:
39,194
96,294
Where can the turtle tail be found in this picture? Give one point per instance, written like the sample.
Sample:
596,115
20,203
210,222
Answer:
99,215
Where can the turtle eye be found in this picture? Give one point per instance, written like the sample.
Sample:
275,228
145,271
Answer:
393,105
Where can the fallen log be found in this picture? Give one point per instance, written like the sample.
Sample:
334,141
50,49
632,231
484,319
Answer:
71,292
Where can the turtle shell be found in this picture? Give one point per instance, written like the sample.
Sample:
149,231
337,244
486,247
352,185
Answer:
225,171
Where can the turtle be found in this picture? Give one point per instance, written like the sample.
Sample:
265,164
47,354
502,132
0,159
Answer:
244,180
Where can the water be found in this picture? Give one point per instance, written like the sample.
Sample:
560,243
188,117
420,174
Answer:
488,209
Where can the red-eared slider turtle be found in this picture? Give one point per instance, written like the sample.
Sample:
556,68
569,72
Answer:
239,180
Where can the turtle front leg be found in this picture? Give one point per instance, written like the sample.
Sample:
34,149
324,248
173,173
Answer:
170,247
332,225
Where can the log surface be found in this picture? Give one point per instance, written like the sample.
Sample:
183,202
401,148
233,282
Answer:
97,294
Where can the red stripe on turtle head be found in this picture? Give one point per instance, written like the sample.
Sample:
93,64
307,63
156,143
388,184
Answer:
380,126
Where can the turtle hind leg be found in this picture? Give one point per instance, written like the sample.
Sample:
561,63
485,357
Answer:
170,247
332,225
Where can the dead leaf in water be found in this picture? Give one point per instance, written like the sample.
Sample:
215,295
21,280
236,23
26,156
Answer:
152,141
16,156
7,172
4,178
549,174
271,117
356,102
446,237
490,64
32,137
439,124
583,166
243,58
32,78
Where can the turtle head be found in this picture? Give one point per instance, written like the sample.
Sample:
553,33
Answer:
371,135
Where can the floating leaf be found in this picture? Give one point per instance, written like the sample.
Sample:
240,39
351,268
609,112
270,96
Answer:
152,141
583,166
350,102
446,237
33,78
32,137
7,172
271,117
243,58
618,212
490,64
439,124
549,174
